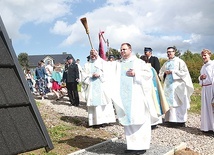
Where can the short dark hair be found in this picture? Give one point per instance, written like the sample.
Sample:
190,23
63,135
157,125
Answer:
144,58
129,45
171,47
40,63
147,49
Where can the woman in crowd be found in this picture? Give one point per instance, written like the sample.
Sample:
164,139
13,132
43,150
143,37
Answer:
56,81
29,79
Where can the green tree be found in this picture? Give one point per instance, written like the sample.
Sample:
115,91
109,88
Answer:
138,55
23,60
177,52
162,61
194,63
212,57
113,52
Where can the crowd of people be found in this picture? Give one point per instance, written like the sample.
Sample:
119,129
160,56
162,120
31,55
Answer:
139,93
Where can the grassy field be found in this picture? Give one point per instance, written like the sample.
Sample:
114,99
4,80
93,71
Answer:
195,104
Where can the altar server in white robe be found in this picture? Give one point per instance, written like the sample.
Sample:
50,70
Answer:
132,90
100,107
177,87
206,80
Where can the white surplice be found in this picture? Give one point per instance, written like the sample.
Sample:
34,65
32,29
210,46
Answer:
133,95
100,107
178,88
207,96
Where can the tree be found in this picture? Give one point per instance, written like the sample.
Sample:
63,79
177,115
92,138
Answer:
212,57
23,60
113,52
194,63
138,55
162,61
177,52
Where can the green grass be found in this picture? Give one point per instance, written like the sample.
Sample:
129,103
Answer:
79,87
38,103
197,86
195,104
58,132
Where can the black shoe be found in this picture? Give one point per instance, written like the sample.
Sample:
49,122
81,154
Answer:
96,126
75,104
71,102
154,127
175,124
181,125
208,132
135,151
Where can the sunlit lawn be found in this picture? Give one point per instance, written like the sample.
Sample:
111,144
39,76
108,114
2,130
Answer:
195,105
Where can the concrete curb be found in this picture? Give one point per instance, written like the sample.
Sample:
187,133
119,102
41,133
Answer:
179,147
171,152
91,147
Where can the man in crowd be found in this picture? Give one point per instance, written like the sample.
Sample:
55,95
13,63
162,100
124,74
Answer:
177,87
152,59
79,68
132,93
111,58
71,76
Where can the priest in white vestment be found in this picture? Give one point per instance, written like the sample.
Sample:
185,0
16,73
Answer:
99,103
206,80
177,87
132,92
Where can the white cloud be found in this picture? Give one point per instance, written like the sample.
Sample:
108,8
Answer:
194,38
17,13
157,23
154,23
61,28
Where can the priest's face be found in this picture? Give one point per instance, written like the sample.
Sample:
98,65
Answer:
125,51
170,53
93,54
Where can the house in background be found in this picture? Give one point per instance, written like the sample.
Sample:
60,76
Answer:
52,58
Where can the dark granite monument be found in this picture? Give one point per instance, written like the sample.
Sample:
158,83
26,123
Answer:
21,126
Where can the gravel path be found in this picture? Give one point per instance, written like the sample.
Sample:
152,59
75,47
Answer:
163,138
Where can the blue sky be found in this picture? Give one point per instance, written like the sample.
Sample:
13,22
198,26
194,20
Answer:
52,27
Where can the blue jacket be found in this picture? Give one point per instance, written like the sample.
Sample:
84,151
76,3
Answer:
40,72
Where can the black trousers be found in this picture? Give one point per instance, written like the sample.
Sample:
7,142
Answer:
73,93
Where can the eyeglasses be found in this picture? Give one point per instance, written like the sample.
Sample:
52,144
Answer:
123,49
170,51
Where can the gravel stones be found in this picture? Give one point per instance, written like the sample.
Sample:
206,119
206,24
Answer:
163,137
